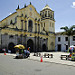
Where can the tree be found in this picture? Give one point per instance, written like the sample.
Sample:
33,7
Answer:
69,32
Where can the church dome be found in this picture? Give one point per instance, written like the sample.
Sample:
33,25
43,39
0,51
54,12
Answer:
47,7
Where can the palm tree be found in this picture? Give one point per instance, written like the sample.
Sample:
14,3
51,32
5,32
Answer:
69,32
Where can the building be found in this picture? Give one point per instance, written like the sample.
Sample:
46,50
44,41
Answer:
61,43
26,26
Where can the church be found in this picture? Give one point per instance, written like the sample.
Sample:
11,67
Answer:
28,27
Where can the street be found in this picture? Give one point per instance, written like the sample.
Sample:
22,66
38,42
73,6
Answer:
11,66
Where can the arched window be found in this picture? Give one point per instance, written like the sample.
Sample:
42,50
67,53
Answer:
48,13
45,13
30,25
44,24
42,14
51,15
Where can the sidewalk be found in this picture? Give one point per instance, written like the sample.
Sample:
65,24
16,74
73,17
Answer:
56,58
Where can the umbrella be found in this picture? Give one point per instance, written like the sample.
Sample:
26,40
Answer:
72,46
19,46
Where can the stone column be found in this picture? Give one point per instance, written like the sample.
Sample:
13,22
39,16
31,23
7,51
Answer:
47,44
22,24
35,34
35,44
38,33
25,25
21,38
25,41
41,43
35,27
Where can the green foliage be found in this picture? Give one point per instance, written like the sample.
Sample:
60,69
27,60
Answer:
68,31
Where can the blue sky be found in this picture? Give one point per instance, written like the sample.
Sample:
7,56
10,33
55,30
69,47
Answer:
64,10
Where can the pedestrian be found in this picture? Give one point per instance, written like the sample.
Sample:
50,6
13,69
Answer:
9,51
28,53
70,50
29,49
25,53
4,50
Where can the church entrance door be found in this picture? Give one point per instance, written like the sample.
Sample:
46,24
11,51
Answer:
30,44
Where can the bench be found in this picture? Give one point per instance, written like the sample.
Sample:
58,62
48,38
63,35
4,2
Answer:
64,56
48,55
37,54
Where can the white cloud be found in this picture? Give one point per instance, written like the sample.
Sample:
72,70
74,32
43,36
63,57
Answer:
73,5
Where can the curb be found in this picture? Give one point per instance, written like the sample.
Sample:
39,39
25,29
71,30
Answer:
51,62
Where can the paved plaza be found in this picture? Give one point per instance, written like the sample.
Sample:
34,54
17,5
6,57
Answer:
11,66
56,58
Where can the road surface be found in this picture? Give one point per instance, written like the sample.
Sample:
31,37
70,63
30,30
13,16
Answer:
11,66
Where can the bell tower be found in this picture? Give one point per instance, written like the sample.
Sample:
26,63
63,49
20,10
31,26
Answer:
47,19
48,26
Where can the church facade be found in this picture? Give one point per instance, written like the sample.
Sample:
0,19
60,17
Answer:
26,26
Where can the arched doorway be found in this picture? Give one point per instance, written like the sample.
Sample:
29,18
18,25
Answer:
11,47
30,25
44,47
30,44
